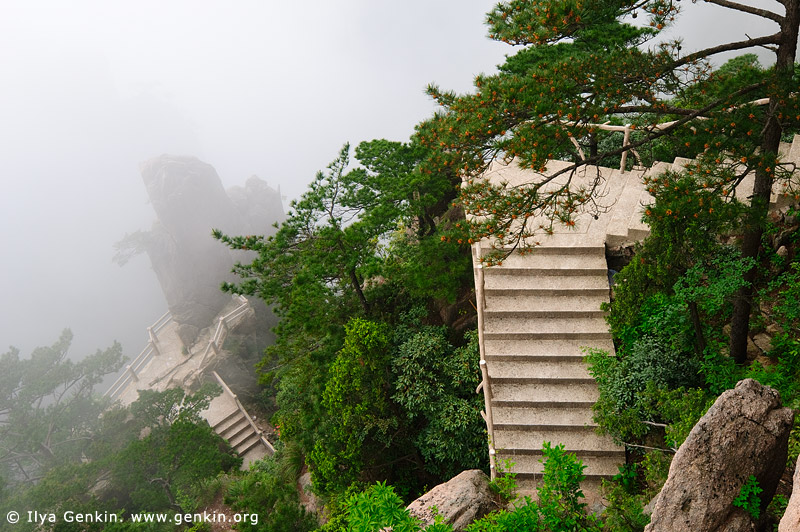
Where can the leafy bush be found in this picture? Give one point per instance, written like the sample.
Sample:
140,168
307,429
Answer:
623,512
526,517
559,507
435,386
505,483
359,416
749,499
379,507
560,496
268,489
646,387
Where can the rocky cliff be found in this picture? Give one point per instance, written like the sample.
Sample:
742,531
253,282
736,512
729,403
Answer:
189,200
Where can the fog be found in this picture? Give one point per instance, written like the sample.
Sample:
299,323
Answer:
92,88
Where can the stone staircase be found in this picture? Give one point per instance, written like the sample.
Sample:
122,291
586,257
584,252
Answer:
239,433
538,313
166,363
228,417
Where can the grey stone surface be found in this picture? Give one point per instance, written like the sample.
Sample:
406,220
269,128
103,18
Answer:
790,522
258,204
744,433
461,500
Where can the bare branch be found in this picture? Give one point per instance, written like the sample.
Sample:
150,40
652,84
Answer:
748,9
667,450
775,38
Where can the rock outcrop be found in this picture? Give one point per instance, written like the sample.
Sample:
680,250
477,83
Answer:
745,432
459,501
308,500
790,522
258,204
189,200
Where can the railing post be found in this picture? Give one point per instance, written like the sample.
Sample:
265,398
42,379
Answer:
134,377
153,339
625,141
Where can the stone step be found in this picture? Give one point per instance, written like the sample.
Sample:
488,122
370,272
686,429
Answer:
246,446
591,487
510,393
596,466
229,421
551,249
638,234
508,346
637,229
547,292
597,280
244,441
535,313
533,322
551,414
235,431
540,260
680,163
532,439
794,151
565,368
218,423
544,271
578,300
785,150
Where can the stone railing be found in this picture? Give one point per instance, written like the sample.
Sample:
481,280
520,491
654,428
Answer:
223,326
227,391
131,370
627,128
485,385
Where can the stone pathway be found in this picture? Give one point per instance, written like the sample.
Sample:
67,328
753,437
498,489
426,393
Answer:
539,312
167,363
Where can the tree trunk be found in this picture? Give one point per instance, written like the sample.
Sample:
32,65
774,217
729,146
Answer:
697,324
757,217
357,287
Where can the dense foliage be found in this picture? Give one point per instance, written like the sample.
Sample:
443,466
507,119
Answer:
153,456
47,409
374,377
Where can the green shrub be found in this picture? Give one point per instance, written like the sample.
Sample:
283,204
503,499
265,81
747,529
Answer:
505,483
623,511
646,387
655,466
749,499
379,507
268,489
525,517
560,496
559,507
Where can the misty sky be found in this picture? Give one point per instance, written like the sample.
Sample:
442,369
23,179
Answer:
92,88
